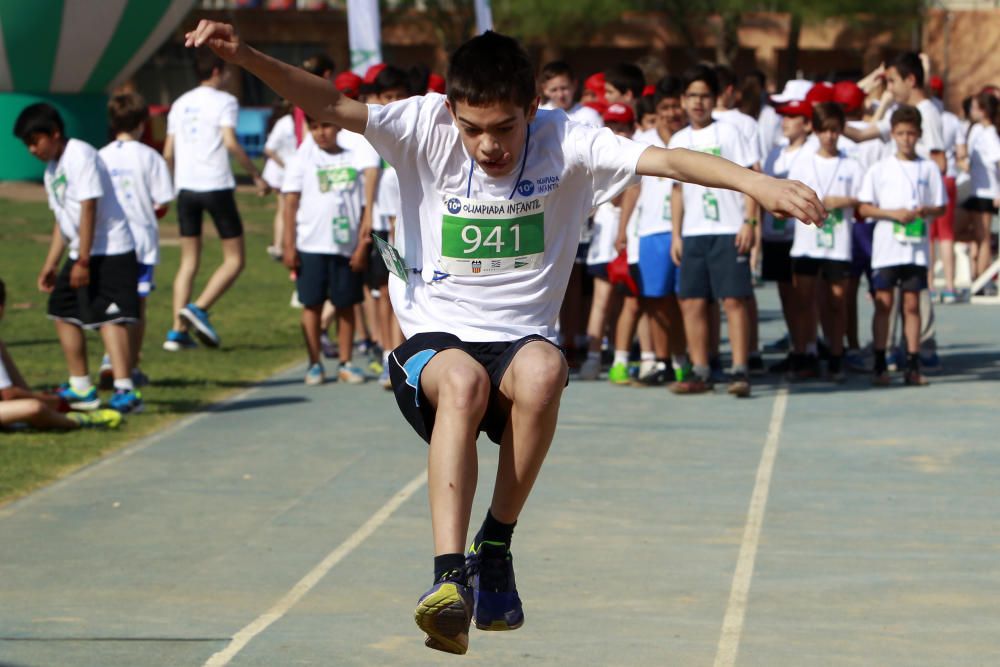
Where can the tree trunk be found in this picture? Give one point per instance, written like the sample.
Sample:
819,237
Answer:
792,50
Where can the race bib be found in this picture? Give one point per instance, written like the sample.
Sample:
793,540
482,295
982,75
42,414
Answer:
668,214
825,234
710,206
336,178
492,237
911,232
393,260
341,230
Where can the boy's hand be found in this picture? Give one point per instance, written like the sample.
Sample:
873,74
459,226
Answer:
621,243
677,249
47,279
290,258
905,215
744,239
359,260
789,199
79,276
262,187
221,38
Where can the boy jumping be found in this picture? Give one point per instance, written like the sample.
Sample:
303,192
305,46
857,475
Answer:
496,191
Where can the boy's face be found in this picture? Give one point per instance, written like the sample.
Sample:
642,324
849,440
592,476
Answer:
698,102
794,127
392,95
906,136
975,111
670,115
559,91
898,86
647,122
621,129
43,146
494,134
828,139
615,96
324,134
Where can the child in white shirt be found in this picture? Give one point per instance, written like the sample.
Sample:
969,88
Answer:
279,149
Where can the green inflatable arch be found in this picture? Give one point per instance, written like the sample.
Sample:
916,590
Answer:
70,53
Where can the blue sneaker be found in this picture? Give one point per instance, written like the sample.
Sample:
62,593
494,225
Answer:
384,378
178,340
931,363
126,401
491,574
315,375
203,329
444,612
80,402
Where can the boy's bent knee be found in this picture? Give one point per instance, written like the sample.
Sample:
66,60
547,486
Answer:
464,388
540,372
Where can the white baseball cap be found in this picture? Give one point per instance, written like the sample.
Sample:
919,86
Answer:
795,91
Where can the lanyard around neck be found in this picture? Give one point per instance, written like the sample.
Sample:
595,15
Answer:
914,187
825,191
524,162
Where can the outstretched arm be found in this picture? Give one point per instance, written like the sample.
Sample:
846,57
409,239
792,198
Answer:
317,97
786,199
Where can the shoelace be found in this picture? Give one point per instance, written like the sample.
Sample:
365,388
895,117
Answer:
459,575
492,569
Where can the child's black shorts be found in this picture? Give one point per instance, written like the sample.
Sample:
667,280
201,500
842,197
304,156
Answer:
221,206
110,298
776,262
323,277
908,277
377,274
828,269
407,362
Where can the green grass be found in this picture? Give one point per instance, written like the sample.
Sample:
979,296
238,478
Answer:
259,333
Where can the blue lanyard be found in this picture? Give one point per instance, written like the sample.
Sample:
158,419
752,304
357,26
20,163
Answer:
524,162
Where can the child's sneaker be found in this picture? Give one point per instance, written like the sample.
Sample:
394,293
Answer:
139,379
854,361
931,363
315,375
444,612
203,329
915,379
106,375
949,297
657,376
490,569
350,374
375,367
756,365
178,340
96,418
126,400
384,379
82,402
739,385
683,373
590,368
618,374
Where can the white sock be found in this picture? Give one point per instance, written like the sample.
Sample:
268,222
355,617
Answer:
124,384
647,356
621,357
80,383
385,357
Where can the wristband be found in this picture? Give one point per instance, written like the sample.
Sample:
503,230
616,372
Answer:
752,222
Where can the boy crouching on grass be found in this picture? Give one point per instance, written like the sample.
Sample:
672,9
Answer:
901,192
326,241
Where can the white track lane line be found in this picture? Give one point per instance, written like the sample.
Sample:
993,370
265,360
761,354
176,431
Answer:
308,582
732,623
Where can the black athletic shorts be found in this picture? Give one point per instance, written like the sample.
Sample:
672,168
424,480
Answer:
321,277
221,206
979,205
711,268
777,261
110,298
598,270
908,277
377,273
407,362
827,269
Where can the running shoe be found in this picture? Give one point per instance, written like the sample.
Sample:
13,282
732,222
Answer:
384,379
931,363
178,340
139,379
915,379
715,368
780,345
106,375
756,365
854,361
315,375
444,612
781,367
85,401
683,373
807,368
328,346
126,400
692,385
96,418
203,329
657,376
490,569
618,374
350,374
375,368
590,369
739,385
949,297
895,360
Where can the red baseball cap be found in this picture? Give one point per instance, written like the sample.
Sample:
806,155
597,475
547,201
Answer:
373,72
618,113
648,90
595,84
821,92
848,95
936,84
598,105
348,83
796,108
435,84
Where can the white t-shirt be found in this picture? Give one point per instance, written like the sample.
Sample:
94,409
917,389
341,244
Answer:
984,153
602,246
747,125
768,129
142,181
779,162
282,142
951,126
78,175
568,170
579,113
893,183
387,202
708,210
196,119
331,200
932,130
828,177
655,216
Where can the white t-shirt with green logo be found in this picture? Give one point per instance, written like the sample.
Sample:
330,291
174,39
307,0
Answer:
709,211
655,215
331,199
494,254
78,175
779,162
828,177
891,184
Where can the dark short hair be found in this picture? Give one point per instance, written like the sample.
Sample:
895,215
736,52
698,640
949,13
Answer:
556,68
417,79
668,86
319,63
38,118
905,113
726,76
3,293
391,77
703,73
644,106
908,64
489,69
828,116
206,62
127,112
626,78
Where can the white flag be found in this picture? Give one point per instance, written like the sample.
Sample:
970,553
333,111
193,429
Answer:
484,16
364,33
